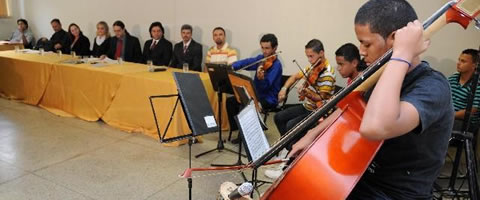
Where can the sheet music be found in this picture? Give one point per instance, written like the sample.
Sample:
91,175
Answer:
252,132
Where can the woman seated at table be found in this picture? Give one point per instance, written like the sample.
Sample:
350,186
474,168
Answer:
80,44
101,43
158,49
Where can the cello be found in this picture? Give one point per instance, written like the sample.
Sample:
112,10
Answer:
331,166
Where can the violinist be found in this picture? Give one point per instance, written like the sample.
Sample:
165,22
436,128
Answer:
268,77
410,107
319,85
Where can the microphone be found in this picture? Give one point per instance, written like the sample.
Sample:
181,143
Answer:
244,189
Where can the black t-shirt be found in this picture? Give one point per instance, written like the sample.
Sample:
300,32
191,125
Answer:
406,166
61,37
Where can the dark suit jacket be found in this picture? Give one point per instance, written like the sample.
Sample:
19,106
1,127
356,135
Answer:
161,54
97,50
82,46
61,37
193,56
133,52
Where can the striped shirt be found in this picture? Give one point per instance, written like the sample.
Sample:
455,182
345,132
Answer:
224,55
460,95
325,84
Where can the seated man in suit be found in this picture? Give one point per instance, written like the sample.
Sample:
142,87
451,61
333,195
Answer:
123,45
187,51
60,39
158,49
22,34
267,81
221,52
460,85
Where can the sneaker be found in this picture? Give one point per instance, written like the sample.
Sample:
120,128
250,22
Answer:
275,172
281,155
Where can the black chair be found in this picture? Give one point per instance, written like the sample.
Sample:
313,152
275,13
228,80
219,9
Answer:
266,112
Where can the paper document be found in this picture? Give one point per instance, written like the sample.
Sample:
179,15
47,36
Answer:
252,132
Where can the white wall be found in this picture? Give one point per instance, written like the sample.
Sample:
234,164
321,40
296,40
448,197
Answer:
294,23
8,24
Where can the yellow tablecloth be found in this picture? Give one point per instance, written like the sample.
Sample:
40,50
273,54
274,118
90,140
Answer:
24,77
131,109
84,91
118,94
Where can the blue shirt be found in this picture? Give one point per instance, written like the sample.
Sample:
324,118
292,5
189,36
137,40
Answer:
269,87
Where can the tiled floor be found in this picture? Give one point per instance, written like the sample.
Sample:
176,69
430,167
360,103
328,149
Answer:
43,156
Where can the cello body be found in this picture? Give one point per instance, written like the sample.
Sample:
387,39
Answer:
331,166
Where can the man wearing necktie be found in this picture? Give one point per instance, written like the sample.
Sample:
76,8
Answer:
187,51
123,45
158,49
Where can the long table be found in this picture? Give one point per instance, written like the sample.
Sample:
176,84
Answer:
5,45
116,93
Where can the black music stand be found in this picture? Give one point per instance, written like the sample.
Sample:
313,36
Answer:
245,92
196,108
252,135
464,142
219,77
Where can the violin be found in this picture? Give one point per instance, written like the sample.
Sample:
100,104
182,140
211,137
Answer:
270,59
311,77
268,62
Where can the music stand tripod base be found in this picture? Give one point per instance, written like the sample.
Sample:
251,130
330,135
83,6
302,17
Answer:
219,75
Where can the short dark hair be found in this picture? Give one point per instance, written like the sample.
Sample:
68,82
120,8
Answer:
350,52
186,27
154,24
119,23
269,37
385,16
316,45
219,28
473,53
55,20
24,21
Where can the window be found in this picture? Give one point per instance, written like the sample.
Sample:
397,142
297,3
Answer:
4,12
